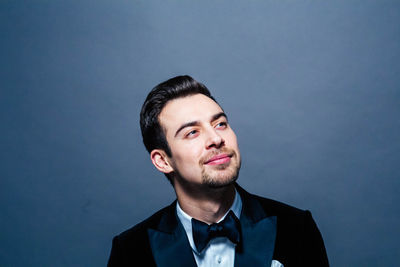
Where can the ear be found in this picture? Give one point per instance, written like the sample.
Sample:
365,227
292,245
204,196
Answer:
161,161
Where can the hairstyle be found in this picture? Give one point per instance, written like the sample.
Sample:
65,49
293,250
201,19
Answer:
177,87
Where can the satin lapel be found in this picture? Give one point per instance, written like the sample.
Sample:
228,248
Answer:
258,233
169,242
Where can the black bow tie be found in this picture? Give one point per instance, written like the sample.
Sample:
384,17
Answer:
203,233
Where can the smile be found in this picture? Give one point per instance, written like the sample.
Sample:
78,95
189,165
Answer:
219,159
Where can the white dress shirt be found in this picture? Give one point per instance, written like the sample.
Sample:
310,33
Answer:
220,251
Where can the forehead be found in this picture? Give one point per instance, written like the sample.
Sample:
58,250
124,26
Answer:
196,107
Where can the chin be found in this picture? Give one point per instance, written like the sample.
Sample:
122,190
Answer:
220,182
222,176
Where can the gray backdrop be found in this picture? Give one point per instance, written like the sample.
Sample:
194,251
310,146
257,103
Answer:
312,88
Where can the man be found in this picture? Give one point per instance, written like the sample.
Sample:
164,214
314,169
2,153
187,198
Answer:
213,222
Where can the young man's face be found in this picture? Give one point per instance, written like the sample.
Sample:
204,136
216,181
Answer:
203,146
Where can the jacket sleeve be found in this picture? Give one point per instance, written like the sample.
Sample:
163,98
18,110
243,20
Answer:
314,253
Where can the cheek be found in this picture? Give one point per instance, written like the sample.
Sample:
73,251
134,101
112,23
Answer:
231,140
188,154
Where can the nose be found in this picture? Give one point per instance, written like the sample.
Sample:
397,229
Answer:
214,140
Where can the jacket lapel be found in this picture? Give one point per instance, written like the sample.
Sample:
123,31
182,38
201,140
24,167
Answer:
169,242
258,233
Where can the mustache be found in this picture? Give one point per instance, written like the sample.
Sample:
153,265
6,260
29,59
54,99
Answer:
230,152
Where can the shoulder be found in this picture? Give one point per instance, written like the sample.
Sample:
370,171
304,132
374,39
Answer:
269,206
277,208
140,229
289,219
132,246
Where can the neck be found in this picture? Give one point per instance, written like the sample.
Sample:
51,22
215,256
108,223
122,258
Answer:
206,204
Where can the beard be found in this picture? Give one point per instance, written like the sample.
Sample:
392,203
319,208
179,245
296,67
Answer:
223,174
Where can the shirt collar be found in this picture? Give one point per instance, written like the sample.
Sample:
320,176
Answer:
186,219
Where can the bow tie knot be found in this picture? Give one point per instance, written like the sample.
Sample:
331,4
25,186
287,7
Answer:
203,233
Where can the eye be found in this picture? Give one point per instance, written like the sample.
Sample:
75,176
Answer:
192,133
221,125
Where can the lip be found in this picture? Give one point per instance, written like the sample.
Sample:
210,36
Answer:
219,159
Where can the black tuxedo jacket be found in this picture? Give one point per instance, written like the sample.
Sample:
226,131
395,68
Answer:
270,230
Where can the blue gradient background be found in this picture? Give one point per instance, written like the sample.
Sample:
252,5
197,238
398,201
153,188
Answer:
312,89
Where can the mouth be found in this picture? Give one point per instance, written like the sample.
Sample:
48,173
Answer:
219,159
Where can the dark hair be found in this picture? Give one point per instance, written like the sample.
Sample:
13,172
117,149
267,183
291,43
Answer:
177,87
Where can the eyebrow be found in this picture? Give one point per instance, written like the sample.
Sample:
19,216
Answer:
195,123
